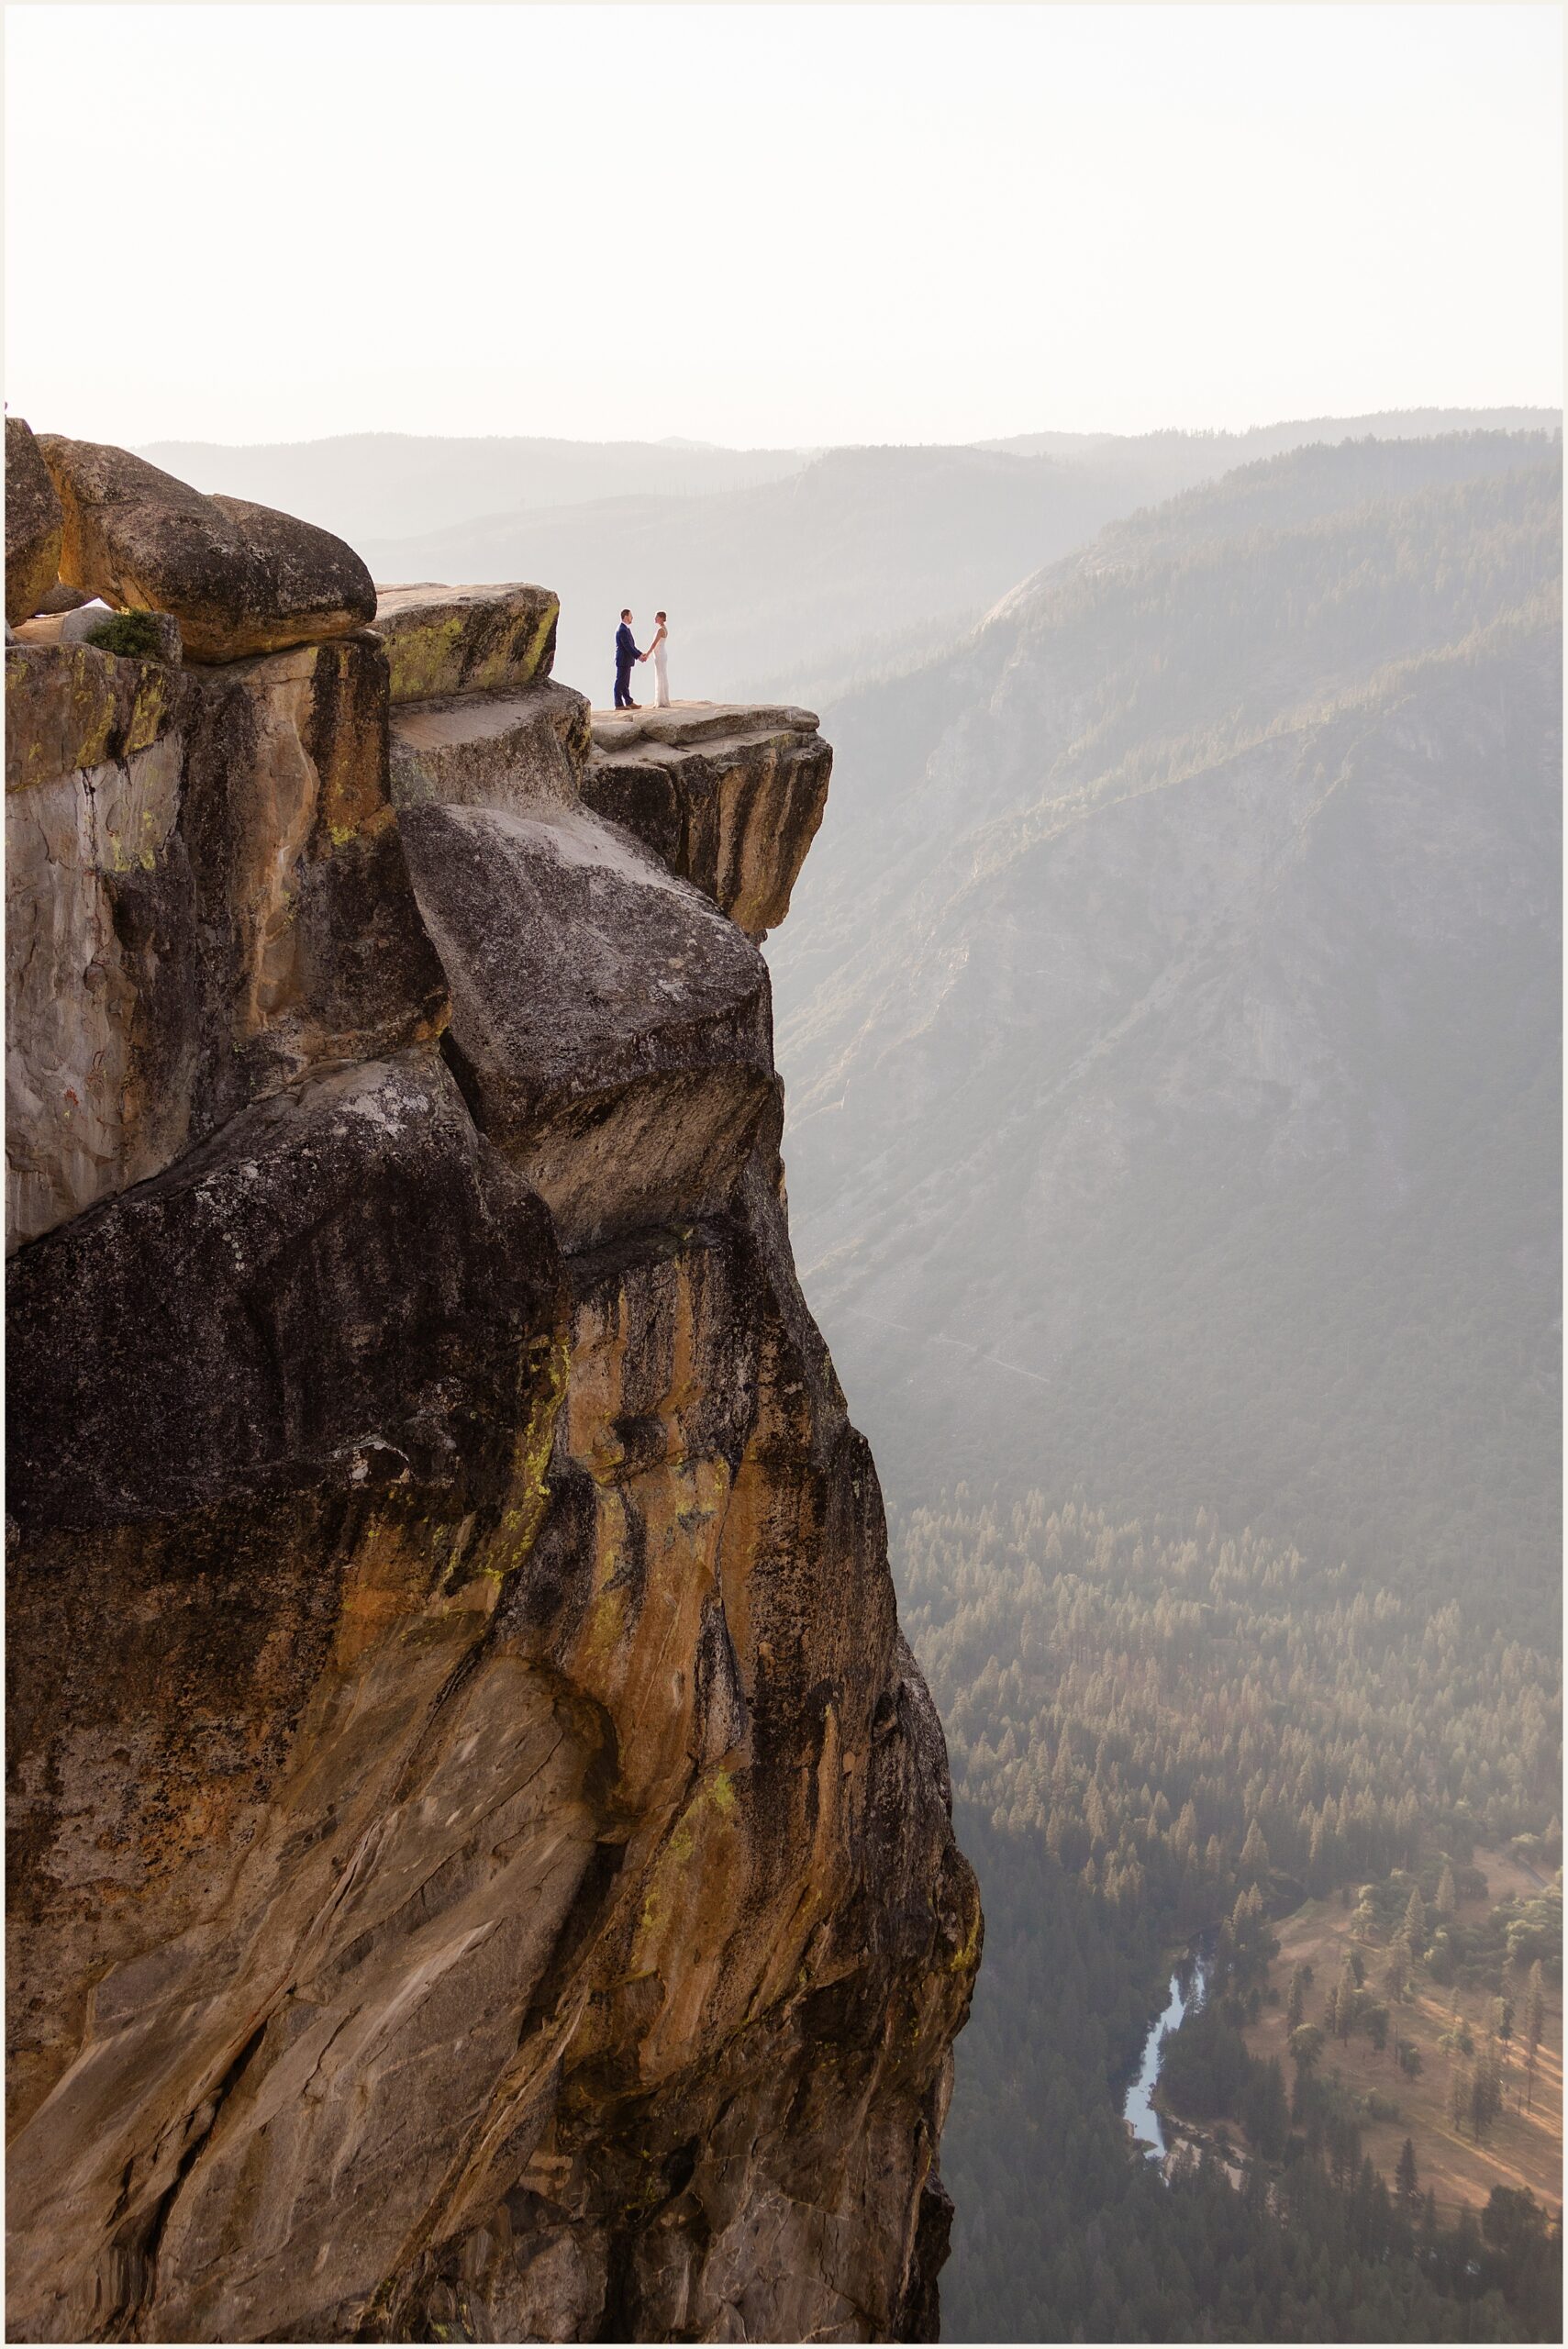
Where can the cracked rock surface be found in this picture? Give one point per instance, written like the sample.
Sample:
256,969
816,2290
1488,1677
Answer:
481,1850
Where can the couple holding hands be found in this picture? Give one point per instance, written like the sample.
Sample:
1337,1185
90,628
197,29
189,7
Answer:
627,652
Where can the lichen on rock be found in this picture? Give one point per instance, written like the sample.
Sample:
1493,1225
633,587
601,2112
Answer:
444,640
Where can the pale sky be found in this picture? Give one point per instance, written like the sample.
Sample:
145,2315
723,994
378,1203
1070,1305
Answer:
776,225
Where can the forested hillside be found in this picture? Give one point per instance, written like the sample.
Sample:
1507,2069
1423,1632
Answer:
1172,1030
1158,1727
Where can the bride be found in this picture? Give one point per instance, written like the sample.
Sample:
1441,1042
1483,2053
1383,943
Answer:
656,654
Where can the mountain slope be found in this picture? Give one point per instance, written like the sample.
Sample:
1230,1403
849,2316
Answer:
1172,1024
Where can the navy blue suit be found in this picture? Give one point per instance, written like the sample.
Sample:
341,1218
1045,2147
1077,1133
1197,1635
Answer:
626,653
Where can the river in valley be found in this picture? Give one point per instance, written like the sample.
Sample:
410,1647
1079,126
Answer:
1188,1981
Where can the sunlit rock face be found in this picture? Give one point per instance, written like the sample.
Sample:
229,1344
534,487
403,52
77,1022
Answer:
521,750
448,640
728,796
481,1851
206,895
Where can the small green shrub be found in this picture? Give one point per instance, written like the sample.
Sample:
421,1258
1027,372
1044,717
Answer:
136,635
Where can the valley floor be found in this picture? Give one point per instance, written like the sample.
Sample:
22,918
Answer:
1522,2149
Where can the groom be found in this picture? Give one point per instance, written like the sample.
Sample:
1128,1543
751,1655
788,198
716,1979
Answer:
626,653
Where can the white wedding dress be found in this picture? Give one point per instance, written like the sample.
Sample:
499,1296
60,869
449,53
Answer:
660,674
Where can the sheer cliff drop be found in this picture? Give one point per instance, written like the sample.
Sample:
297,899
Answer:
481,1848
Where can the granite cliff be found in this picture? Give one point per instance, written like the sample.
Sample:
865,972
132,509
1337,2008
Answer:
481,1853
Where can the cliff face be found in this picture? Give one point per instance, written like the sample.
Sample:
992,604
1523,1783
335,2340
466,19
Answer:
481,1853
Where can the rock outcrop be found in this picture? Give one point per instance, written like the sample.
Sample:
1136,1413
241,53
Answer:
519,751
482,1862
443,640
731,797
239,578
34,525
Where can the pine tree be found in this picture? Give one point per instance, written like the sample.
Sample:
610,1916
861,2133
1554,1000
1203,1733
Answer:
1535,2019
1318,1859
1295,2002
1414,1926
1405,2175
1306,2047
1345,2001
1456,2040
1462,2093
1397,1972
1485,2096
1448,1898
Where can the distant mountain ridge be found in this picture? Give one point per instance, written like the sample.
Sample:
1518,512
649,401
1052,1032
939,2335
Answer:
377,485
1253,440
786,573
1171,1023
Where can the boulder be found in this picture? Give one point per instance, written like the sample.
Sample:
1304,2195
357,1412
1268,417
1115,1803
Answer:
34,525
612,1033
728,796
519,751
241,579
443,640
61,598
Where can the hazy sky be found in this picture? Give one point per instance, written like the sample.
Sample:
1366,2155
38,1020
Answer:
775,224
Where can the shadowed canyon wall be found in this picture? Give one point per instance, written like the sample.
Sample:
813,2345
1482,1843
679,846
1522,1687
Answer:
481,1853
